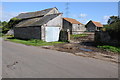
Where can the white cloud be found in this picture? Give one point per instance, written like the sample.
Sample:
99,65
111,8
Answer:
74,16
0,12
82,15
105,19
6,16
82,18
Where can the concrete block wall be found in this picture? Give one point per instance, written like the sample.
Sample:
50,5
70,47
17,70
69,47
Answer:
27,32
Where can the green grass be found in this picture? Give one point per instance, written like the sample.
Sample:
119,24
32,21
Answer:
110,48
78,35
1,26
33,42
7,36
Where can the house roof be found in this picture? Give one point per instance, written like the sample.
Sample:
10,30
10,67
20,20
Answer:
37,21
33,14
73,21
98,24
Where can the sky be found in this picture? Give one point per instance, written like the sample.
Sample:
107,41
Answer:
81,11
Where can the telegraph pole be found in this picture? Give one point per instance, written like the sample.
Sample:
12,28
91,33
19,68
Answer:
67,9
119,9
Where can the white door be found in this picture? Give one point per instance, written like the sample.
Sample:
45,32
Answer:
52,34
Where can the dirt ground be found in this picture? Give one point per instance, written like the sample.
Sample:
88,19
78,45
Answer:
85,46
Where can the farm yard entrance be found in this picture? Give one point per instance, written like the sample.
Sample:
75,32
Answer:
84,46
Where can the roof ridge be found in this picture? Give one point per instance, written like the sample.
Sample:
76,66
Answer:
34,14
37,11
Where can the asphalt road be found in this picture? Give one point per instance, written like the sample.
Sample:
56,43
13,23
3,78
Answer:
21,61
0,57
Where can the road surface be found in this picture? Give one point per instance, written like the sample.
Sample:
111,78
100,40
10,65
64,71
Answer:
0,57
21,61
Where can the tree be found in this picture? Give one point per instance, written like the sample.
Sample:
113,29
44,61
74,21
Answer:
9,25
3,26
113,19
114,27
0,23
13,22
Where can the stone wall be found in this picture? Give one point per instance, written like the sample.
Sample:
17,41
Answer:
102,37
27,32
64,36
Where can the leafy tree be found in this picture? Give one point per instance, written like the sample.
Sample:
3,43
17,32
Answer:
4,23
0,23
3,26
114,28
113,19
7,26
13,22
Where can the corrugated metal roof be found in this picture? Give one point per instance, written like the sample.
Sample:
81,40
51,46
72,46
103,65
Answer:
33,14
37,21
28,22
73,21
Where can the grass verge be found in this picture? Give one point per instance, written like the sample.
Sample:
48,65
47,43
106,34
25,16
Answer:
7,36
110,48
33,42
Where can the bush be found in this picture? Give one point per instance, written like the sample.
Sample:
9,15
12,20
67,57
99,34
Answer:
113,30
5,30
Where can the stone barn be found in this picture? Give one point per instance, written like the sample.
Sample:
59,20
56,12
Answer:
74,26
93,26
44,25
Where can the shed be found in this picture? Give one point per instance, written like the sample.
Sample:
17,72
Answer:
93,26
74,26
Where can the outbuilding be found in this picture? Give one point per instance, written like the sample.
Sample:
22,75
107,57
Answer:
93,26
74,26
44,25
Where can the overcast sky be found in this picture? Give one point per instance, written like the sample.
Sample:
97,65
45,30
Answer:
82,11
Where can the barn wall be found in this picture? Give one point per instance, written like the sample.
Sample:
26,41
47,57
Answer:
56,22
90,27
67,25
27,32
78,28
53,11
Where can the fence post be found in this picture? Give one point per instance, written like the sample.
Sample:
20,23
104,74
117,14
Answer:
68,31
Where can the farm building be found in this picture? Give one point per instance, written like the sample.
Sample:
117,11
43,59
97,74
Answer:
93,26
44,25
74,26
